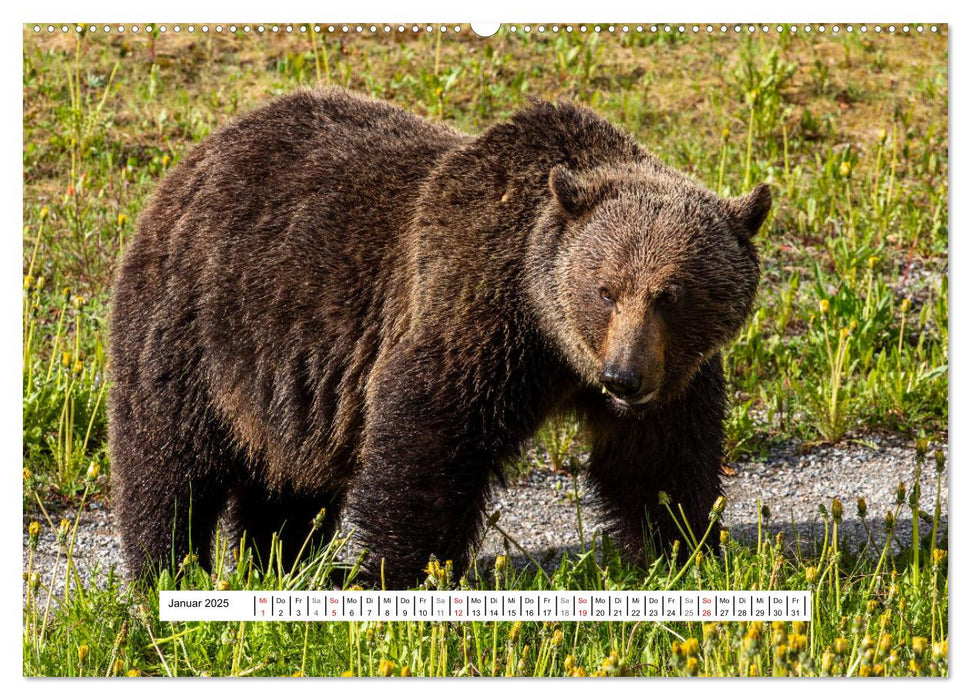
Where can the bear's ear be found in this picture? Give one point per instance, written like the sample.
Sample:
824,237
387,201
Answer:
750,210
570,193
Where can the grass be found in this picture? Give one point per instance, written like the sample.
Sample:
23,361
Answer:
877,611
850,335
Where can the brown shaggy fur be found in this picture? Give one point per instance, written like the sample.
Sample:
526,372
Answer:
332,303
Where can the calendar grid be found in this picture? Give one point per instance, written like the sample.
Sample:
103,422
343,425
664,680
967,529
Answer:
477,606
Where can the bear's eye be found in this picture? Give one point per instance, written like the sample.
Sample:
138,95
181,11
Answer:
606,295
666,299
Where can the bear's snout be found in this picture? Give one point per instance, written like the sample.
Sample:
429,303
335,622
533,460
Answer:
620,381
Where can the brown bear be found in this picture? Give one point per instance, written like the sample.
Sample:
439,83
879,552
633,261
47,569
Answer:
333,303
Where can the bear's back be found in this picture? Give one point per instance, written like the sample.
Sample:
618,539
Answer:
261,271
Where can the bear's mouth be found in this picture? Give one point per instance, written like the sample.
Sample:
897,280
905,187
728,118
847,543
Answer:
631,402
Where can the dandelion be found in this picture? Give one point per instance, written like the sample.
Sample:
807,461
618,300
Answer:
840,645
824,306
514,630
500,562
939,650
718,508
44,213
41,282
28,282
904,307
882,135
66,359
568,663
297,674
347,674
901,493
62,531
919,645
33,534
753,671
827,663
318,521
837,508
861,508
872,261
557,637
921,443
611,664
725,134
117,667
811,573
845,168
78,301
723,537
29,483
78,367
797,642
844,333
122,220
385,668
938,556
406,671
938,460
133,673
166,159
692,666
222,585
690,646
871,606
82,653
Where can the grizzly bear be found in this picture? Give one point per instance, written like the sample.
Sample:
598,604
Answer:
334,304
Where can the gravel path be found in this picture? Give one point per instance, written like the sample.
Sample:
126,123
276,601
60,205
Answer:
539,511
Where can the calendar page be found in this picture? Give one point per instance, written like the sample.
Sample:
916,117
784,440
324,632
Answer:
467,349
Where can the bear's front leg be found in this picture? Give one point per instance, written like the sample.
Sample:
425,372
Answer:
674,448
423,479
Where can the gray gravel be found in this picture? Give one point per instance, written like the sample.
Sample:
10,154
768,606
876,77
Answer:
539,511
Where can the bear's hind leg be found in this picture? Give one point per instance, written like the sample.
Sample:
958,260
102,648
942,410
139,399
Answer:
169,490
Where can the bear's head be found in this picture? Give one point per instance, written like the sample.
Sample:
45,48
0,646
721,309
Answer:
641,275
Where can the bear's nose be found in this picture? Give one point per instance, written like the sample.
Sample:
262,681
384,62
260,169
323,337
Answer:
620,382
